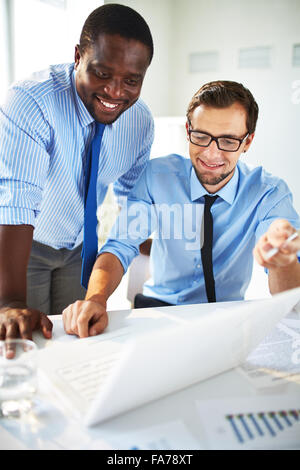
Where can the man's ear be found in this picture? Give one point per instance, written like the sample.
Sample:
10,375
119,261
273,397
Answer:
248,142
77,56
187,130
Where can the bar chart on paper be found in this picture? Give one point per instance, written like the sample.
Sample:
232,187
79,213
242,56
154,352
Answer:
255,423
262,424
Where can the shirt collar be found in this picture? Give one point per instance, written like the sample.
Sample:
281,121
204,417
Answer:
227,193
84,116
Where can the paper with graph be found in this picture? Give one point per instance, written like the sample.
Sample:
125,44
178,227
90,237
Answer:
268,422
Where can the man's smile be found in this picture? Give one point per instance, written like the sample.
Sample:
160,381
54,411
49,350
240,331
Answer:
210,166
107,105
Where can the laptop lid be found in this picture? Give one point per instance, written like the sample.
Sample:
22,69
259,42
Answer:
163,361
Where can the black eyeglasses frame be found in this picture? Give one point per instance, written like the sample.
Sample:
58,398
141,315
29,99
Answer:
215,139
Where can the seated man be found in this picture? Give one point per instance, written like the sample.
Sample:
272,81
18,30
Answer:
240,207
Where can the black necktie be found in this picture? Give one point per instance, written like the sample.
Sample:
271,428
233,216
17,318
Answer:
206,250
90,239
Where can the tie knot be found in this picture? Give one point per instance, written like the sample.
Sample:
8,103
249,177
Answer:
209,200
99,128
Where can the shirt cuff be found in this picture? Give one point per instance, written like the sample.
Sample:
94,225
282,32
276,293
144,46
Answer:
124,258
17,216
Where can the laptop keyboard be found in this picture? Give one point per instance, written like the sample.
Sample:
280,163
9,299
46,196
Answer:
86,377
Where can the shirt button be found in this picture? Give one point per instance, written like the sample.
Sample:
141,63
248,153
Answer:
198,265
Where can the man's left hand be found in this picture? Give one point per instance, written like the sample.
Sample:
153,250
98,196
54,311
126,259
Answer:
276,237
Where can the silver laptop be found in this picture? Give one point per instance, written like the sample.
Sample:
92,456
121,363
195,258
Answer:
104,376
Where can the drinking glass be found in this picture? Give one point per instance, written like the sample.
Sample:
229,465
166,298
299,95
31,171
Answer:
18,376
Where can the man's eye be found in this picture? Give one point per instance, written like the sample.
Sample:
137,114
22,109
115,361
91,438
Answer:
101,74
201,138
131,82
228,141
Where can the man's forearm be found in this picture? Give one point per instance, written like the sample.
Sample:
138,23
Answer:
15,247
105,278
284,278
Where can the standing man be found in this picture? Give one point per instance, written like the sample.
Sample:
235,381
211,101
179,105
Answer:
53,129
242,208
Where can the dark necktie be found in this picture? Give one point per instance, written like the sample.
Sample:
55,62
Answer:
90,239
206,250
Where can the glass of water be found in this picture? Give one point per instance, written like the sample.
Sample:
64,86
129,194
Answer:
18,376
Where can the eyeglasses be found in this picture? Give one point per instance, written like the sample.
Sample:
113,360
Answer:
226,143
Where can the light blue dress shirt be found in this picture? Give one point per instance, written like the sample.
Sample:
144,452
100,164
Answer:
245,208
45,131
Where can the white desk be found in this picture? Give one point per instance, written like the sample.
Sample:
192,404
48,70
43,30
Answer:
51,427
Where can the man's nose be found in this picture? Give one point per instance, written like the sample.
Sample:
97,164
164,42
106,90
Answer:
212,150
114,89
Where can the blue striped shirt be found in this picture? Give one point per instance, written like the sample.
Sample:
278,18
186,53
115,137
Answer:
168,201
45,131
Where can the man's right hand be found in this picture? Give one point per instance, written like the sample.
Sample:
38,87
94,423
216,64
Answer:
89,317
85,318
17,320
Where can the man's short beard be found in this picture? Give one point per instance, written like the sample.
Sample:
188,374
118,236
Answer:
212,181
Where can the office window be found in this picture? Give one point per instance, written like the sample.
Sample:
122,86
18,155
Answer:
255,57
